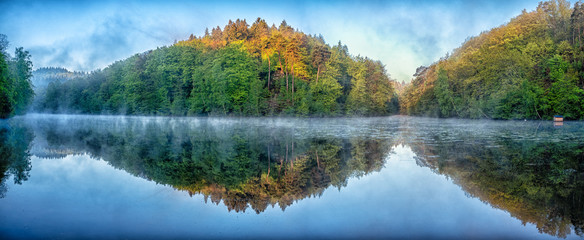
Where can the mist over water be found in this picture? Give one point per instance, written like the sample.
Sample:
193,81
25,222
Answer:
71,176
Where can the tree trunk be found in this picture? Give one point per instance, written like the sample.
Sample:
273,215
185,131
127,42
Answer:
280,62
317,73
269,160
269,72
292,85
292,157
286,72
317,162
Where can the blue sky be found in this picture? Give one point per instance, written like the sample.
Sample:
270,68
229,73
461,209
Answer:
87,35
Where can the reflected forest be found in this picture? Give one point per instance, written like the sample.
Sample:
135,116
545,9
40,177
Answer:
15,144
537,178
536,175
241,165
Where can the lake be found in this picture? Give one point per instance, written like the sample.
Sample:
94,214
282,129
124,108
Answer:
95,177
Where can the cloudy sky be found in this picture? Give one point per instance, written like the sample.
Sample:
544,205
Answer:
87,35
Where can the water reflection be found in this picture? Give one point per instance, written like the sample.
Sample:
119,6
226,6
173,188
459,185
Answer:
231,161
15,142
532,170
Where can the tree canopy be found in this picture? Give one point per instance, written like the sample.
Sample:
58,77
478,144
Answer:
240,70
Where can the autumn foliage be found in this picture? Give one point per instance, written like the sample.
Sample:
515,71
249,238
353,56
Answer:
529,68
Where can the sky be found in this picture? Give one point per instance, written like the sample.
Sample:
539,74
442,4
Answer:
403,35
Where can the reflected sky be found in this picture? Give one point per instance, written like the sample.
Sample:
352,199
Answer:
80,196
94,200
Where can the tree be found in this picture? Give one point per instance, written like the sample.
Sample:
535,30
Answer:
358,99
236,83
235,31
371,90
259,29
3,45
5,91
443,94
320,54
577,23
294,55
326,92
15,80
564,96
21,73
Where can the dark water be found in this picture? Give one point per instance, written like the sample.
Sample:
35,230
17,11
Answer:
396,177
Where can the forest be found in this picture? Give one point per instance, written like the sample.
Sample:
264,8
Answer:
240,70
530,68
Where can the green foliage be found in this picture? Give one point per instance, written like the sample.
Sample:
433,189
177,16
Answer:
371,91
521,102
444,95
16,91
5,89
325,94
236,87
237,71
21,68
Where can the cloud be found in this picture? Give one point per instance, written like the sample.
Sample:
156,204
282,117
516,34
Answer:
407,34
84,38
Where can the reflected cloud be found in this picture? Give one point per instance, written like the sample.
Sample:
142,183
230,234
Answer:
531,170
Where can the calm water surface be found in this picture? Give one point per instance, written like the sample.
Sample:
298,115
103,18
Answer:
67,176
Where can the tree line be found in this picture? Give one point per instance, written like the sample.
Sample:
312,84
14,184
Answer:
240,70
529,68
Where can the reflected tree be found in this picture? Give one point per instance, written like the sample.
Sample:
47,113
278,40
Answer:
234,163
538,181
15,143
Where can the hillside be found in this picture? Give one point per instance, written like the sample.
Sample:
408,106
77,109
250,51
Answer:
529,68
239,70
43,76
